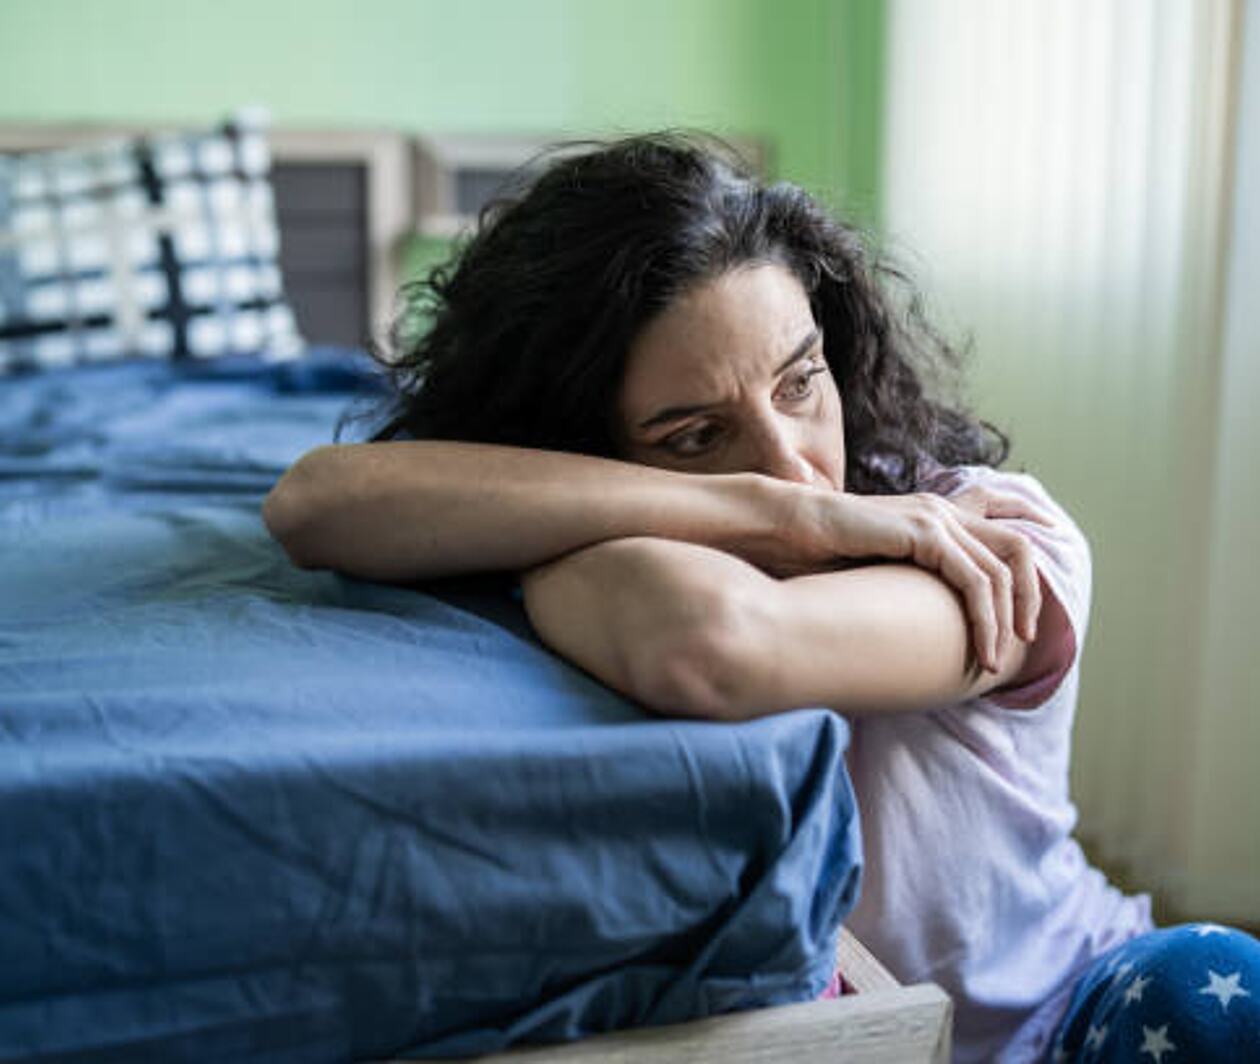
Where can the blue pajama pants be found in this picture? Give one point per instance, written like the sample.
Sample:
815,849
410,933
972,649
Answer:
1186,993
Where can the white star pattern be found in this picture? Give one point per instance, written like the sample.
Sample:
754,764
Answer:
1156,1042
1119,971
1096,1036
1133,992
1203,930
1225,988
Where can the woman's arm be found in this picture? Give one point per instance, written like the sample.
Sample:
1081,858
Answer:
404,511
691,631
410,510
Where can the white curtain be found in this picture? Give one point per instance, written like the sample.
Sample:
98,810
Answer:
1058,175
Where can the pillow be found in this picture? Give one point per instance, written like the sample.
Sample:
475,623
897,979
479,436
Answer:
160,247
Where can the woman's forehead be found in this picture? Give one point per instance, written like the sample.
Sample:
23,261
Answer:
732,330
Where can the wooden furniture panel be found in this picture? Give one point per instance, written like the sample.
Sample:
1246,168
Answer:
456,175
321,209
910,1025
881,1022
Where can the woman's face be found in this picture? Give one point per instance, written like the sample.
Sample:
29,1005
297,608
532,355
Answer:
730,377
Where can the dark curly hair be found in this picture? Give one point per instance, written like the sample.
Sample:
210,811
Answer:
522,337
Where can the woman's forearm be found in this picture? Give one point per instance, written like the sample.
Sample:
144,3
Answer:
688,631
409,510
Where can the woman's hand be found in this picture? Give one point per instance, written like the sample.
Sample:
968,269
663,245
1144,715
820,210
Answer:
963,541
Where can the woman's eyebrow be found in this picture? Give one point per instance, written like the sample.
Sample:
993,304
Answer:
800,350
673,413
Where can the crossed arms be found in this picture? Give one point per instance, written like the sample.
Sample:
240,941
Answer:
722,596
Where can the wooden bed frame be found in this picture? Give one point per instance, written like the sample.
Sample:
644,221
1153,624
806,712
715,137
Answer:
881,1021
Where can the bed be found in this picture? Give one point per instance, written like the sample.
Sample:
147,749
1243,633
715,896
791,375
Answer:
251,812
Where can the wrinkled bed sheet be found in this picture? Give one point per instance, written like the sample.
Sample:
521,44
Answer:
249,812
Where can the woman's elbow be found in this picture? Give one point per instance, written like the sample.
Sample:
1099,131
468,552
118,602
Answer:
697,670
288,512
672,626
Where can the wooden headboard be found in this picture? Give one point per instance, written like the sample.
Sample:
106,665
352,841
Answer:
345,202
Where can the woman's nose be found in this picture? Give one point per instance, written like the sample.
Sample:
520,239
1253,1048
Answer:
778,456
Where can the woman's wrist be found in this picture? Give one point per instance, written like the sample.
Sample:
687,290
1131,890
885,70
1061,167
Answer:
765,521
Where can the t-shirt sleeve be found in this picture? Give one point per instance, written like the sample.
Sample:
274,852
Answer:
1061,555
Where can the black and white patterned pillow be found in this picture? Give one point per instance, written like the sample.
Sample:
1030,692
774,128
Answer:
160,247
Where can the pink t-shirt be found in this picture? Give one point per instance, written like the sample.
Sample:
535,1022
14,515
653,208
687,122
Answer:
972,879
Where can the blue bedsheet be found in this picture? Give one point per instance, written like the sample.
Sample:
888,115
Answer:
249,812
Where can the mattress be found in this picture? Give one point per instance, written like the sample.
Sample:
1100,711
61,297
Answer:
251,812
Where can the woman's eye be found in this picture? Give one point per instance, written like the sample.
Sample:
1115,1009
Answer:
693,441
801,386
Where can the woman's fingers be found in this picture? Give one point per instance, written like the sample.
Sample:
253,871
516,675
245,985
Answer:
977,588
1027,584
1001,588
942,545
1003,557
1009,545
1017,557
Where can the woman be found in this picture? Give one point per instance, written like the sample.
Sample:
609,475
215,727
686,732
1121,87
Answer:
687,408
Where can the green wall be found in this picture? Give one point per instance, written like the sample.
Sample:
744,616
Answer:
805,74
